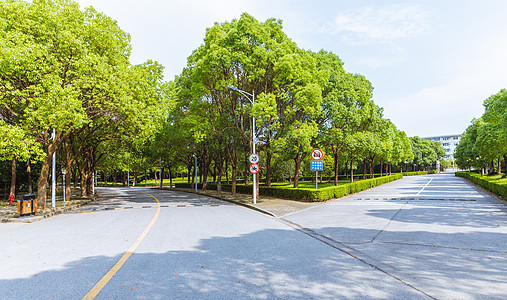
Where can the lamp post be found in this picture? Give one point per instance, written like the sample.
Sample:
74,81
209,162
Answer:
53,176
63,173
195,168
246,95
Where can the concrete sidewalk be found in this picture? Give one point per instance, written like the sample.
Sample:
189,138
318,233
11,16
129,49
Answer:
272,206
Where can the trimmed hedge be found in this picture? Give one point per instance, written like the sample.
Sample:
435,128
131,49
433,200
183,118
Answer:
419,173
306,194
486,182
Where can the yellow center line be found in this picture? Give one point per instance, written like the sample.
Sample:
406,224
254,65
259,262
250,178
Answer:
100,285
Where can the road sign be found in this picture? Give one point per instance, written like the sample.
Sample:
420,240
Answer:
254,158
254,168
317,165
317,154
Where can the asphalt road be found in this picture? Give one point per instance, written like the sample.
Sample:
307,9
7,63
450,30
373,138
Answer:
421,237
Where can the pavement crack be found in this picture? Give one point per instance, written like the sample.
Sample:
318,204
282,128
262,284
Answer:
348,251
388,223
439,246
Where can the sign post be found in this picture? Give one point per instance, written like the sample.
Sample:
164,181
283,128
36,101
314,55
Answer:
254,169
317,164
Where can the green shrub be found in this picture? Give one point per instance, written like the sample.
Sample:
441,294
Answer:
494,185
419,173
306,194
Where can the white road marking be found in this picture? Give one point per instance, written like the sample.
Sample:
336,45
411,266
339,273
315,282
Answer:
424,187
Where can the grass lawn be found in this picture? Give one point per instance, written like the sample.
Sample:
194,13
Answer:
302,184
496,179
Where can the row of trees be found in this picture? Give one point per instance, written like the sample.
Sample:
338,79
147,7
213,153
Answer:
67,70
66,83
483,145
303,99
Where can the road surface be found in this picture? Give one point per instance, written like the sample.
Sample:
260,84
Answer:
422,237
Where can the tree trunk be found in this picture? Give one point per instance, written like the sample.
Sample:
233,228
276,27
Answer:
29,174
219,170
364,168
68,164
268,168
89,182
247,169
214,174
44,173
372,168
227,170
84,179
381,167
336,166
42,181
74,176
234,177
296,172
298,159
12,191
505,161
352,168
170,177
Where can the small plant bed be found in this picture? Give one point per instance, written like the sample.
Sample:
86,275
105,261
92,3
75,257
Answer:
4,204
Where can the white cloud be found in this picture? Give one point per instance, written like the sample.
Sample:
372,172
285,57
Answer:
379,24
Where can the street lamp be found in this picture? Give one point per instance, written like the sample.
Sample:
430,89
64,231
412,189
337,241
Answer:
246,95
195,177
63,173
53,176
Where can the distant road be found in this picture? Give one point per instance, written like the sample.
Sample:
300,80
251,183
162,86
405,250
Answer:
381,243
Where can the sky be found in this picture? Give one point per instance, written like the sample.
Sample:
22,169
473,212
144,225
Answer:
432,63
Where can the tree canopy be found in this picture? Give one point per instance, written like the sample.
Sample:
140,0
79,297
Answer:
67,70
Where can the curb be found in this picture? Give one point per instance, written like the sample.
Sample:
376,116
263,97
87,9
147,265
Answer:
36,218
224,199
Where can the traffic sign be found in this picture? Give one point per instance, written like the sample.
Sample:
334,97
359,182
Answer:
317,165
317,154
254,158
254,168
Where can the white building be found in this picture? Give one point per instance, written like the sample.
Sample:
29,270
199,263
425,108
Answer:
449,142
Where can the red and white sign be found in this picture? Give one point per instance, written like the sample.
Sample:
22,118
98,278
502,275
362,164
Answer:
254,168
317,154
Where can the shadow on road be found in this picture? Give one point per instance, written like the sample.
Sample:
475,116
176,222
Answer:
274,264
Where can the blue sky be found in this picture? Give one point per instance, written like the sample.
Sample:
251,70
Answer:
432,63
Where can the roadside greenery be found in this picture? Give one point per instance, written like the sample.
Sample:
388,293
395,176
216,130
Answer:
493,183
483,145
309,193
67,69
